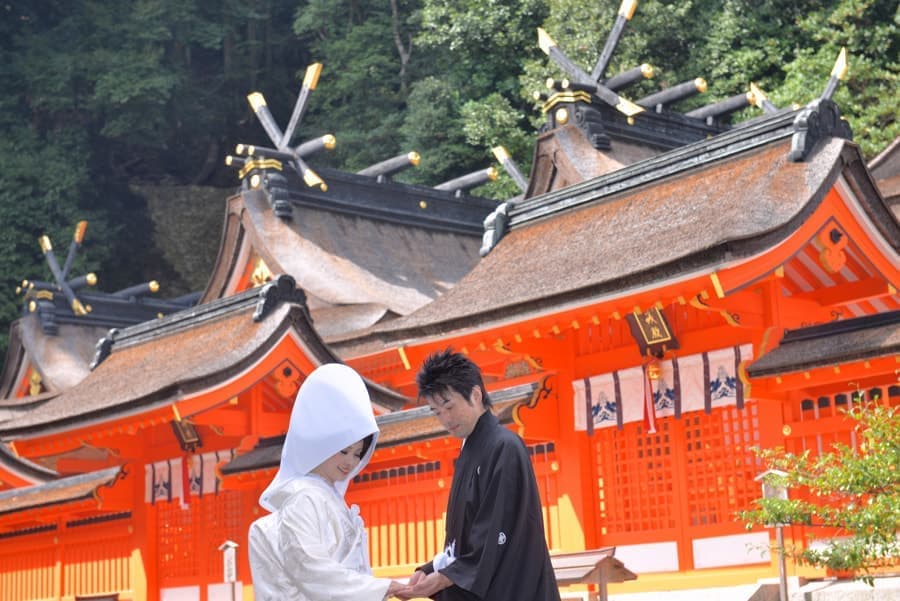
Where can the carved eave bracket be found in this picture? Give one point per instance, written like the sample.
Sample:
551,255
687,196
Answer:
282,289
820,119
265,174
104,348
278,193
495,225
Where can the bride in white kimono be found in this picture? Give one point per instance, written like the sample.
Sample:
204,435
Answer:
312,546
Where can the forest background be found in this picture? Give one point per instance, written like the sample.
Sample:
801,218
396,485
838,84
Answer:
104,102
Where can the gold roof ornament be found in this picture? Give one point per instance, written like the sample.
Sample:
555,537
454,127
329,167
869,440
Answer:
258,164
838,74
35,383
261,273
758,98
510,167
840,68
80,229
313,180
467,182
673,94
383,170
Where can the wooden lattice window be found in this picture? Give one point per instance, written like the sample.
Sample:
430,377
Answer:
636,478
403,508
102,567
189,537
720,466
817,424
695,471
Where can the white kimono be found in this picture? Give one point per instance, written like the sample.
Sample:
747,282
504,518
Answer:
312,547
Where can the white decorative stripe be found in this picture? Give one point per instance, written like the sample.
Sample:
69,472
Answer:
650,557
733,550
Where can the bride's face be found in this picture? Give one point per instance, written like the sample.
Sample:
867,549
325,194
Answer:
340,465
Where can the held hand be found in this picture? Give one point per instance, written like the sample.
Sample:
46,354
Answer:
396,589
403,591
421,585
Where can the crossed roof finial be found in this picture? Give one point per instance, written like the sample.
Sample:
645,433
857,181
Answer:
61,274
593,82
282,150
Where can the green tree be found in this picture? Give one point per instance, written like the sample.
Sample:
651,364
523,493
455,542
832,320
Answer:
868,98
368,59
433,125
479,49
493,121
484,42
854,492
102,94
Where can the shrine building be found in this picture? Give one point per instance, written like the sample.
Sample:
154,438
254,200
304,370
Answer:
668,291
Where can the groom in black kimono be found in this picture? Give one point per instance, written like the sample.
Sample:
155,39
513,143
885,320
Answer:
494,548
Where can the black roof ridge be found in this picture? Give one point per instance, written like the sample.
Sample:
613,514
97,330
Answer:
463,198
388,200
103,309
104,301
842,326
181,319
729,143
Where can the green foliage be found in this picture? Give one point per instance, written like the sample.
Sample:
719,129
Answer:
433,127
868,98
364,84
483,41
480,48
41,187
853,491
492,121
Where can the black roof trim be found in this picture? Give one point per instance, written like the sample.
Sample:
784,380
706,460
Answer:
842,326
106,310
388,200
833,343
666,130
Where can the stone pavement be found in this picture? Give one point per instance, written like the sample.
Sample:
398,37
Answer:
885,589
